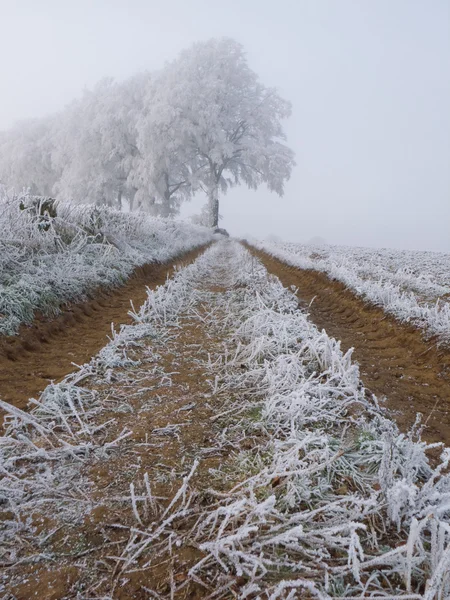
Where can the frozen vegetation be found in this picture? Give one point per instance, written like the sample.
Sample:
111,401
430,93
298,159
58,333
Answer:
53,254
204,122
412,286
332,502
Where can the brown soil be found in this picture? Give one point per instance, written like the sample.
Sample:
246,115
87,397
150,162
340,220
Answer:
395,360
86,555
47,350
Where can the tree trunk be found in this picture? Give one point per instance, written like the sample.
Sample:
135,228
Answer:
165,208
213,205
119,200
132,198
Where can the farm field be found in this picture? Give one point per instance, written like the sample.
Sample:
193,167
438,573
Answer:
188,411
47,350
66,273
412,286
221,446
398,363
54,253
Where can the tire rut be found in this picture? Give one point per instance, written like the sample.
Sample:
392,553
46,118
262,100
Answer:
48,349
395,361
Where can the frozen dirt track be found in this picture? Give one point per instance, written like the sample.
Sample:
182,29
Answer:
47,350
219,447
395,360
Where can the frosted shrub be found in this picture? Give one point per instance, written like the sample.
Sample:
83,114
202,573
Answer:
79,249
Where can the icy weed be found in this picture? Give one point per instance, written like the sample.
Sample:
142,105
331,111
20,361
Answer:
47,261
89,422
347,504
233,453
414,287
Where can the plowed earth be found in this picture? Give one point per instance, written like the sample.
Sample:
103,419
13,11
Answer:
47,350
171,423
171,420
113,536
395,361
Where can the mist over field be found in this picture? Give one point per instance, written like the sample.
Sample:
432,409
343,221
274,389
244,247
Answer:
369,85
225,300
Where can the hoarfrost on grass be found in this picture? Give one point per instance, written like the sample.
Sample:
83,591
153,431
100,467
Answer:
47,261
412,286
333,501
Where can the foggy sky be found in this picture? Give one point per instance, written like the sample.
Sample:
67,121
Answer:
369,81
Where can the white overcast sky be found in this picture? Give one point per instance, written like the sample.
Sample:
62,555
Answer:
369,81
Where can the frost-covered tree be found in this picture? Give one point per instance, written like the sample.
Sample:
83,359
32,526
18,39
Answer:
26,153
96,143
227,119
162,169
203,122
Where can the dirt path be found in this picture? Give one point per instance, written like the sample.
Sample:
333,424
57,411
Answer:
169,416
47,350
220,447
167,407
395,361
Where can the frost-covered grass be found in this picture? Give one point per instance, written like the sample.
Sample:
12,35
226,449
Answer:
412,286
329,500
47,261
341,501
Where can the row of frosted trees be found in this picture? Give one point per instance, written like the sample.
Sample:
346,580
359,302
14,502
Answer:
203,123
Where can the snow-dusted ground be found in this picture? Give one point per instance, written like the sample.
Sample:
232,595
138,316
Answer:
329,500
45,262
412,286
